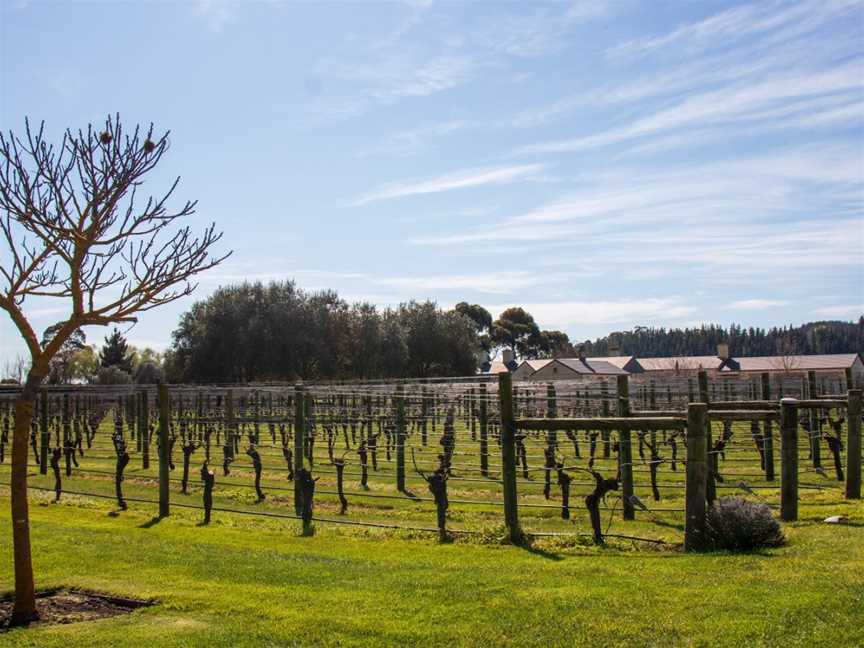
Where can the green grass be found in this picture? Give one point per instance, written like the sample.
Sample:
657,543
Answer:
253,581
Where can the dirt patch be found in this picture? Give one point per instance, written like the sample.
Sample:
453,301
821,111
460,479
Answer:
66,605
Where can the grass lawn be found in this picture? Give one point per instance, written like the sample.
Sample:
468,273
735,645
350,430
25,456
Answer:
251,581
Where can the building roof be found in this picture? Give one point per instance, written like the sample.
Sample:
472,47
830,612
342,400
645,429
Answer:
824,362
680,363
591,366
616,361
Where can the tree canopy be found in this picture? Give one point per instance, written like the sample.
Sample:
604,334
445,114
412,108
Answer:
278,331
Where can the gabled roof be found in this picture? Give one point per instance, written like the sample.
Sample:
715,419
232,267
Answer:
617,361
828,361
680,363
591,366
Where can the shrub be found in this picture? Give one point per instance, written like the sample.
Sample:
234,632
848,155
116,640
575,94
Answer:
735,524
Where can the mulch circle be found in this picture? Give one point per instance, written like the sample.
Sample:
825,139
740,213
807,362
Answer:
67,605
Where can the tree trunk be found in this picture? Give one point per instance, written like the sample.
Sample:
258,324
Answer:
24,609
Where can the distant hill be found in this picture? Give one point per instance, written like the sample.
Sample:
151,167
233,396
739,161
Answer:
814,337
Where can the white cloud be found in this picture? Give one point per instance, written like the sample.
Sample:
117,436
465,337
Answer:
457,180
849,311
630,311
414,141
765,101
757,304
214,14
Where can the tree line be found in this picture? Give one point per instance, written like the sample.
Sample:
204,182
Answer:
810,338
253,332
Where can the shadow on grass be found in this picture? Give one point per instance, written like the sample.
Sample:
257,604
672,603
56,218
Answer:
150,523
528,546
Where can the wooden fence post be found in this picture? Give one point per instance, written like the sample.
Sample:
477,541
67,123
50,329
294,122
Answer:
788,460
625,451
604,434
144,427
697,473
299,436
551,412
399,404
484,432
704,397
768,432
814,437
508,457
853,445
44,434
164,449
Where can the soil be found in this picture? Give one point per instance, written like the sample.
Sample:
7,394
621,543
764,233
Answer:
66,605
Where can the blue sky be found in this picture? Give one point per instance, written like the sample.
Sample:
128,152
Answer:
604,164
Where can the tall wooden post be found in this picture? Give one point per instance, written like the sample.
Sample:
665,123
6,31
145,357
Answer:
604,434
853,445
625,451
45,434
144,427
424,415
508,457
551,412
484,432
399,405
299,437
164,448
768,433
788,460
697,482
815,435
704,397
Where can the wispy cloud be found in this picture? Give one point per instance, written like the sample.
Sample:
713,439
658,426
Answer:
757,304
214,14
413,141
847,311
636,310
767,102
475,177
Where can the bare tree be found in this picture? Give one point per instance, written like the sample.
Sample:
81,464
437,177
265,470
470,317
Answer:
75,232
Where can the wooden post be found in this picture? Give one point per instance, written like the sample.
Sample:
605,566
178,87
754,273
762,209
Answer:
711,489
853,445
551,412
788,460
399,405
44,434
164,427
625,451
604,434
814,437
484,432
508,457
424,415
850,383
299,436
768,434
144,427
697,482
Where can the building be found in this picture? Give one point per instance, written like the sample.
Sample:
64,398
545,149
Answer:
570,368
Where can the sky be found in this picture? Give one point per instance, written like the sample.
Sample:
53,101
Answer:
604,164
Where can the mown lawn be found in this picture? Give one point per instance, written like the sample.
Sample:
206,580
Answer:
253,581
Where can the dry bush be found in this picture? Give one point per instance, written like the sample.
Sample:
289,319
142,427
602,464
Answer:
736,524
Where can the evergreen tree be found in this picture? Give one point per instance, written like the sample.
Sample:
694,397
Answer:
116,352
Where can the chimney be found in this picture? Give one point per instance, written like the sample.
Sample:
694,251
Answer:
723,350
507,357
614,349
582,353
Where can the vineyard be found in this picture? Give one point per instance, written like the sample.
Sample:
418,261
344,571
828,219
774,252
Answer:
456,458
